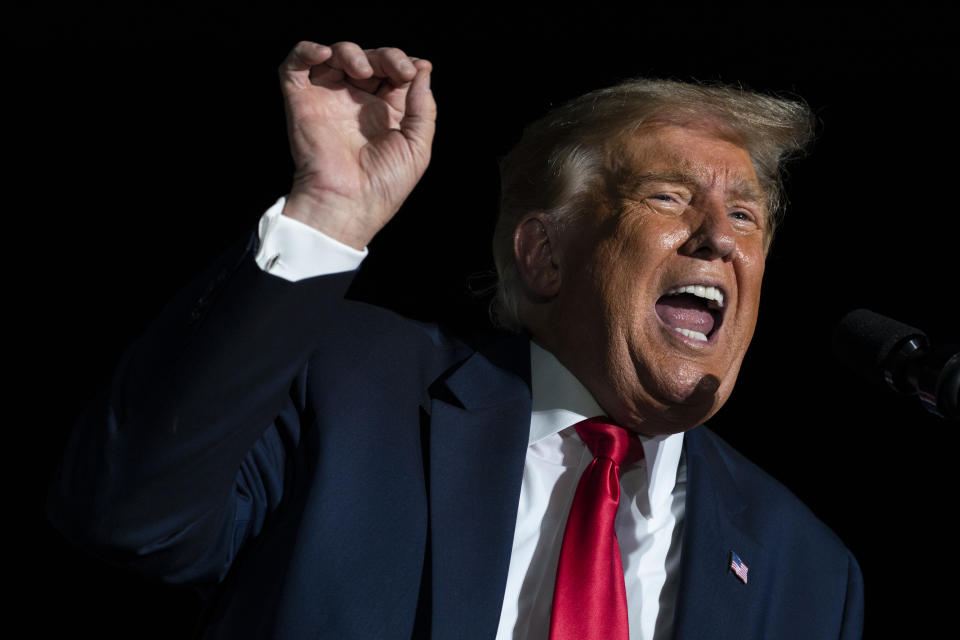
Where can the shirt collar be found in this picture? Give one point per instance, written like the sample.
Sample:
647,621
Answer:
560,401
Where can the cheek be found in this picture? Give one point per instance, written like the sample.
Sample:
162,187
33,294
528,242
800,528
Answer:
615,301
673,237
650,232
750,267
753,263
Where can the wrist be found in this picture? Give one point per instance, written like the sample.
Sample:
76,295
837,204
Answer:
336,216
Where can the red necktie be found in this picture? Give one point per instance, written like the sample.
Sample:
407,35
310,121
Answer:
589,599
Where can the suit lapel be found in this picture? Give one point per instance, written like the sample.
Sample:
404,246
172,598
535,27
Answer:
479,426
712,601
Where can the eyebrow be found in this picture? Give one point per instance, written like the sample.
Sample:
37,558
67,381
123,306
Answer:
739,186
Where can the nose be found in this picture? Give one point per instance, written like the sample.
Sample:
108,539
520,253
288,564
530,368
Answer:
711,235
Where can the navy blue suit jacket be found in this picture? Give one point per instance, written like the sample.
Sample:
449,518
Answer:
341,472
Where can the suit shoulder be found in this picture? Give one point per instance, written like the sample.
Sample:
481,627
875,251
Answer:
370,338
811,584
767,505
359,320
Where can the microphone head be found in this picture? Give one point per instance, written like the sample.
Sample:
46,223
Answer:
865,342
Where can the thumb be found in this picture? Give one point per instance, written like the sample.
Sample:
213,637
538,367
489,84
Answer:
419,119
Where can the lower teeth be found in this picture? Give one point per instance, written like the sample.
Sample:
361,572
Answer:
696,335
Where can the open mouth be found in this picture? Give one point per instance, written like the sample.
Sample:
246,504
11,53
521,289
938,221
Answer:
694,311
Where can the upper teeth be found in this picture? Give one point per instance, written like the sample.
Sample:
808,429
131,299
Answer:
709,293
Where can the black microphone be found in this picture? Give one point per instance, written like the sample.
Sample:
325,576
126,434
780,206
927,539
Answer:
887,351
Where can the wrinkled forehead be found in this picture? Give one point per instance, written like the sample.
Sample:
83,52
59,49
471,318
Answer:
698,153
690,151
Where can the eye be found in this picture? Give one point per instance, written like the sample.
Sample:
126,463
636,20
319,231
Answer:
745,219
666,199
669,198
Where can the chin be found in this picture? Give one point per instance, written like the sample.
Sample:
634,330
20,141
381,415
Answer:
682,403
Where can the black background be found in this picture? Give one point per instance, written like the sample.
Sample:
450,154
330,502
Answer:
143,141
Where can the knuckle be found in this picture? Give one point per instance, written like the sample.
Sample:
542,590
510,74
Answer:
391,52
296,52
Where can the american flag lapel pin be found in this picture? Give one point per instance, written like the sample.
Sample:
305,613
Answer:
738,567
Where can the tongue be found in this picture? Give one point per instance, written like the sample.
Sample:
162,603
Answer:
685,311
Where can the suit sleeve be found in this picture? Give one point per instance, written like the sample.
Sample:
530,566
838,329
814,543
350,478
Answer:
183,458
853,605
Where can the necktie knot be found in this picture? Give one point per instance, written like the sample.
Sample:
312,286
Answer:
608,440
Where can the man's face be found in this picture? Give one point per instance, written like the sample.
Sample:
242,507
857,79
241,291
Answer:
638,318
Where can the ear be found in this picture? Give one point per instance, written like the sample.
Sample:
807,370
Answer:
536,251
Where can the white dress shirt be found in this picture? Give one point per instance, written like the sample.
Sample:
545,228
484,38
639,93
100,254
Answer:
653,491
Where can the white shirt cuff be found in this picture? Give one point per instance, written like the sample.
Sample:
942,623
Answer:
294,251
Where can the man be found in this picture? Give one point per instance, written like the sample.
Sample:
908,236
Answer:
346,473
